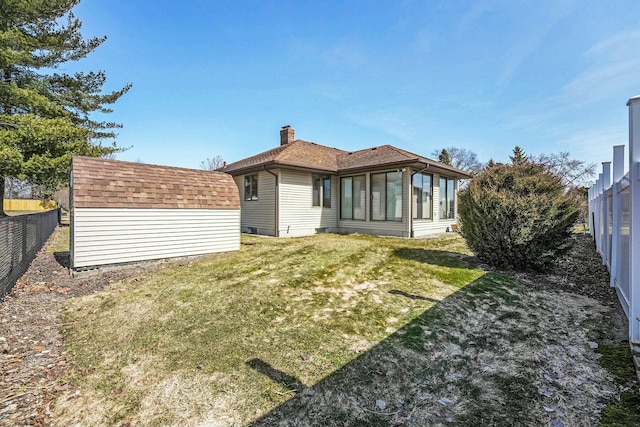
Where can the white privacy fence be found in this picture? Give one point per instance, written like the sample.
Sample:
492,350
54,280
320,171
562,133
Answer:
614,213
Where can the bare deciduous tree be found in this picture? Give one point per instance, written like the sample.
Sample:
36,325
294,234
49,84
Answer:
572,172
210,164
460,158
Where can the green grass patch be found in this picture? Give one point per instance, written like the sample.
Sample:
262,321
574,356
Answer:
625,411
306,307
60,242
322,330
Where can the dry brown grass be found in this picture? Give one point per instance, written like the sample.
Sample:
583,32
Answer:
332,330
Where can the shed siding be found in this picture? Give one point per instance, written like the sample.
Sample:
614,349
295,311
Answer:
258,214
297,215
110,236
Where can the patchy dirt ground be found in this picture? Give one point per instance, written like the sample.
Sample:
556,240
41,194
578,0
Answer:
551,346
31,359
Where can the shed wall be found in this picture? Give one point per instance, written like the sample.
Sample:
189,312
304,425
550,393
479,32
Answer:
103,236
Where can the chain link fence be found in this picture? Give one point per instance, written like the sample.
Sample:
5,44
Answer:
21,237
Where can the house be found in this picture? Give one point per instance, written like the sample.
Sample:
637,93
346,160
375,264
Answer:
301,188
123,212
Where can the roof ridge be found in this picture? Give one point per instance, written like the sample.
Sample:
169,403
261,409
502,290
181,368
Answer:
404,152
141,164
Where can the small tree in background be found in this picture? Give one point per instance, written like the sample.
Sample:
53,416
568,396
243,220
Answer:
517,216
210,164
518,157
460,158
443,157
572,172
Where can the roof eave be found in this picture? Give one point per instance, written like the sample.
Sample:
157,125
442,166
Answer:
414,163
273,164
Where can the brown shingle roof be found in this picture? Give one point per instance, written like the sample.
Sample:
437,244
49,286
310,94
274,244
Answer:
308,155
314,156
102,183
389,155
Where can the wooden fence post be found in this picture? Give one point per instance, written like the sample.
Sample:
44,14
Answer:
634,252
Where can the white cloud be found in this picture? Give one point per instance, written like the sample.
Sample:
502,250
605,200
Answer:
612,71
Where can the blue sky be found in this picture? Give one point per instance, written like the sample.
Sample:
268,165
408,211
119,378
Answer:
221,77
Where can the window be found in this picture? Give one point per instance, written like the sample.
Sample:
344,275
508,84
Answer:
352,197
321,191
447,198
422,199
251,187
326,192
386,196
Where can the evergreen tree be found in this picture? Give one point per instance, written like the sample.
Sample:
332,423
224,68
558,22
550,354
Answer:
444,157
517,216
518,158
45,116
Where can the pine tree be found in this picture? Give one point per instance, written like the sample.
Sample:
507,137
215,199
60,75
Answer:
45,116
444,157
518,158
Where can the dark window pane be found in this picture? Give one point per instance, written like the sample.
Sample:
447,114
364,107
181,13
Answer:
443,198
326,193
317,184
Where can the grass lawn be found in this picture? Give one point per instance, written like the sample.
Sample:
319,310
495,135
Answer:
60,243
332,330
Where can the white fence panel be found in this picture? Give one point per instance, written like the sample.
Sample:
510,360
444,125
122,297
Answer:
614,211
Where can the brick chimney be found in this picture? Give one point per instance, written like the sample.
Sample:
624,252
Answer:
287,135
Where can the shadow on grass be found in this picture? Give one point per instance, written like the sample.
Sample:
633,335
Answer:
394,383
433,257
288,381
412,296
63,258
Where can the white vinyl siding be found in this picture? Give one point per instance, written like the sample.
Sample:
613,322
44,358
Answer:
298,216
258,215
103,236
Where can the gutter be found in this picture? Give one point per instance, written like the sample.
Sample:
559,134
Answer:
277,201
411,234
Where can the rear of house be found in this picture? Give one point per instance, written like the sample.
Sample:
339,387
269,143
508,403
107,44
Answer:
301,188
124,212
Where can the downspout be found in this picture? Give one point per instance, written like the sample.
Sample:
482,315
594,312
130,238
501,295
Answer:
276,197
411,234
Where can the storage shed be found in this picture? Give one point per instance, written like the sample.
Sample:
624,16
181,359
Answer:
124,212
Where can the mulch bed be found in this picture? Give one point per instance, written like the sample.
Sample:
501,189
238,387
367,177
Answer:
31,348
32,362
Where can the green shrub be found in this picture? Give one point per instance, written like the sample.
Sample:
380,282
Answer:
517,216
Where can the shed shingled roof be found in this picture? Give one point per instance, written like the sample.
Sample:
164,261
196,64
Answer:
103,183
309,155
